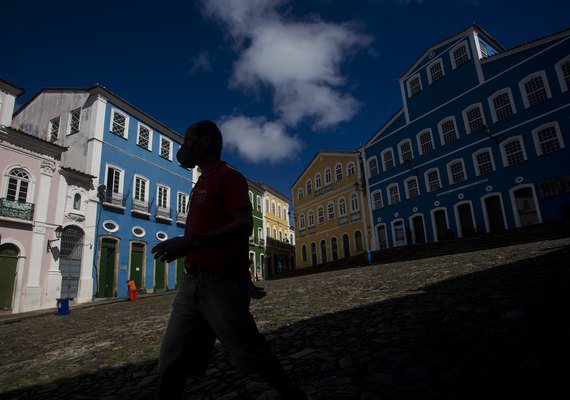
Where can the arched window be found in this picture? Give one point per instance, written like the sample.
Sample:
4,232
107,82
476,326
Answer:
77,202
338,171
354,202
18,183
342,207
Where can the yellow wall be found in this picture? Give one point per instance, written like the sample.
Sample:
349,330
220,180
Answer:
347,188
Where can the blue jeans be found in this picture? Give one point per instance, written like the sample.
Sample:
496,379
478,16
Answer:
210,305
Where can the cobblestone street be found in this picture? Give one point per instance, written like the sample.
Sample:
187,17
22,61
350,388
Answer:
485,324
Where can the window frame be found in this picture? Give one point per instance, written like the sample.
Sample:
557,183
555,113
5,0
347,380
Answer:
452,51
125,133
504,155
525,95
350,168
165,139
143,126
318,181
538,144
427,181
442,134
29,187
564,85
70,129
407,188
414,91
491,100
389,150
331,215
390,195
167,190
376,206
52,122
466,121
477,165
439,62
400,152
338,170
450,173
419,141
371,168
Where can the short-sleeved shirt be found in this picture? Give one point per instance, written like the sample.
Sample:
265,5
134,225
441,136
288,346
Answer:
219,192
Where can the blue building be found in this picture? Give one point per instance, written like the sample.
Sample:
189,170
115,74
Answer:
141,194
479,144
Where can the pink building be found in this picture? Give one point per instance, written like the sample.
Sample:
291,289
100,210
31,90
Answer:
39,202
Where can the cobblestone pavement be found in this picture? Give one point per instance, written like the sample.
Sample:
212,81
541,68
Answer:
491,323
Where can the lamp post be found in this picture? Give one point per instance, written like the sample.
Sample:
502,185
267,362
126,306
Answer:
58,232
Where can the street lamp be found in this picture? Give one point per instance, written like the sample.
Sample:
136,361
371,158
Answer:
58,232
408,165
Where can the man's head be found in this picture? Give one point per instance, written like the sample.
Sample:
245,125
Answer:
202,143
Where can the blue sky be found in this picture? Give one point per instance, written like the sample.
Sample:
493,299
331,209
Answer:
284,79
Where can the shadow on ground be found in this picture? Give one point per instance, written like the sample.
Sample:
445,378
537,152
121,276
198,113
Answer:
503,332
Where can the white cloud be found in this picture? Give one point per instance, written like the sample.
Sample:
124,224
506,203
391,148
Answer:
298,62
258,140
201,63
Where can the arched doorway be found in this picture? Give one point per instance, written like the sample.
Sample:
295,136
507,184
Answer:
323,251
313,254
8,266
465,217
346,245
495,217
418,227
70,261
525,206
334,248
159,275
107,268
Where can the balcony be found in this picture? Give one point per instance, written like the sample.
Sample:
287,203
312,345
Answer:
262,242
181,218
113,199
15,210
279,244
163,214
140,207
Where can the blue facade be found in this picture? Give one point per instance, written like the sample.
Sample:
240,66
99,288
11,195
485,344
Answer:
480,144
143,197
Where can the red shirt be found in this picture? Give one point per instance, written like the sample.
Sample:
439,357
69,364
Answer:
218,193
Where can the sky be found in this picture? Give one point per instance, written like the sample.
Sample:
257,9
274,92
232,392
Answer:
284,79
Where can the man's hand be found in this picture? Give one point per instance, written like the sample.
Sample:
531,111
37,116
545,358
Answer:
172,249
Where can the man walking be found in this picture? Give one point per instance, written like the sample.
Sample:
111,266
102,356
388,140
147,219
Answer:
215,297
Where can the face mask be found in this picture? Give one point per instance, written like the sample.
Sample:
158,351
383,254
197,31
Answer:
186,157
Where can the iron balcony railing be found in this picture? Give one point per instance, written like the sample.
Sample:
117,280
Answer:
279,244
16,210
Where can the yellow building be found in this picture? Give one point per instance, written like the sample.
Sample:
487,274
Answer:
330,209
279,234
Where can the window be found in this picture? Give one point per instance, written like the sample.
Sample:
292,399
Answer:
309,186
456,172
412,189
77,202
54,129
321,215
393,194
534,89
414,85
513,151
274,233
302,221
259,204
311,218
435,70
502,105
448,131
433,182
165,148
163,197
300,193
473,117
119,123
318,182
250,194
278,210
144,137
388,159
425,142
266,205
483,49
328,177
373,166
484,162
459,56
74,119
563,72
350,169
18,183
330,211
358,241
140,192
114,182
354,202
377,201
341,207
259,235
304,252
273,208
405,148
547,139
338,172
181,203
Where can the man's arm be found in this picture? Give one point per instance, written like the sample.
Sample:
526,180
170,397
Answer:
240,226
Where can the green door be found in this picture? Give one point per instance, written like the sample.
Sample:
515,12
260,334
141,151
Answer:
8,265
107,268
180,273
137,257
159,268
